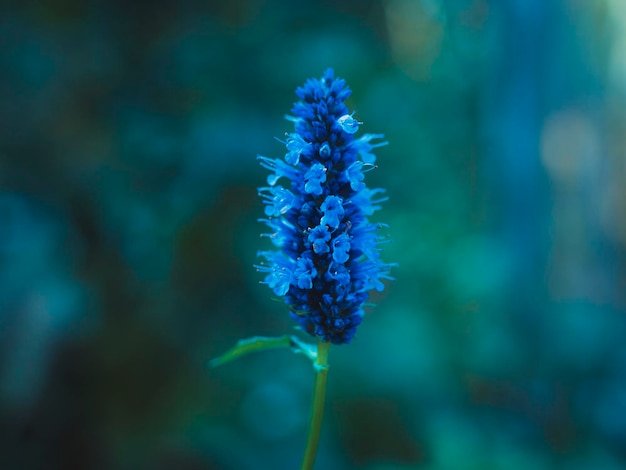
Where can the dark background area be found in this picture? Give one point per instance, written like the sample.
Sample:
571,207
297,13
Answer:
128,234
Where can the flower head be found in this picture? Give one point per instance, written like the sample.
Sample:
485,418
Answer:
328,258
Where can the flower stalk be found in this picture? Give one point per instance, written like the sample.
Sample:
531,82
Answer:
317,407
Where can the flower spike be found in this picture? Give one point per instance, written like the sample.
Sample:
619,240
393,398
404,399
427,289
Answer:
328,257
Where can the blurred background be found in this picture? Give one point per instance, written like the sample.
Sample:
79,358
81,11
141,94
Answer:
128,231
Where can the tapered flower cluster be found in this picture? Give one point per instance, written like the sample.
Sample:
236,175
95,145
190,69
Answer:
317,207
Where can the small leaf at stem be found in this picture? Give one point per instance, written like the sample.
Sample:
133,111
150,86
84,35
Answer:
260,343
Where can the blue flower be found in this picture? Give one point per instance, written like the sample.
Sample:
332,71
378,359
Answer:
319,238
296,145
332,208
341,248
328,256
355,176
314,179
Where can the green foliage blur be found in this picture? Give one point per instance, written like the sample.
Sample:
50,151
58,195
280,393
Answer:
128,231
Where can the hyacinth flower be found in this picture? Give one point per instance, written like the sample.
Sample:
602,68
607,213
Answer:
327,254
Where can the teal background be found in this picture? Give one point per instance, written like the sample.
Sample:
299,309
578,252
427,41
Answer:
128,231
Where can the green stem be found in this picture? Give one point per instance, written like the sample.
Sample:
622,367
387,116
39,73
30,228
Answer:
317,408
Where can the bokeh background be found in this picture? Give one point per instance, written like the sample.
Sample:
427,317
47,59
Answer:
128,231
